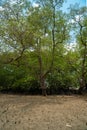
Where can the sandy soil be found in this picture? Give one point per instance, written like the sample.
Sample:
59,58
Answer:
43,113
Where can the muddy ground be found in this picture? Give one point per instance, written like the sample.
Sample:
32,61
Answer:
19,112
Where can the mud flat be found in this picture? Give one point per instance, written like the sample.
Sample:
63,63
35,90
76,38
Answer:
19,112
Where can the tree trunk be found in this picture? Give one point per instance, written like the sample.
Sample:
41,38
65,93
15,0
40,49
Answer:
43,86
86,86
44,93
82,86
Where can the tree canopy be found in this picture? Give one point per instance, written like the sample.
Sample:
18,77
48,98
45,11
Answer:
34,42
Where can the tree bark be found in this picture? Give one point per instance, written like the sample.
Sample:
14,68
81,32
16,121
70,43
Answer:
43,86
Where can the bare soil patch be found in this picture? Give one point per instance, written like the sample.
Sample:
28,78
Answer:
43,113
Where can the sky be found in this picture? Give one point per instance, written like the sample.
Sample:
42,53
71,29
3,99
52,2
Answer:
70,2
65,7
81,2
